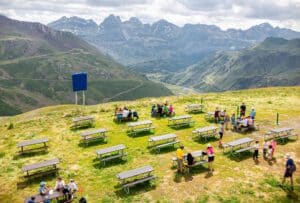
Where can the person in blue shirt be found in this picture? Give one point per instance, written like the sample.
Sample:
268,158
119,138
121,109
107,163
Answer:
43,190
252,113
290,168
31,200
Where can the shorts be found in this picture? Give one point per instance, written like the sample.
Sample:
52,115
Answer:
288,173
221,135
211,158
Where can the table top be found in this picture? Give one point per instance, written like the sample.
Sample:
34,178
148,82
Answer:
32,142
99,130
180,117
279,130
83,118
240,141
134,172
197,153
205,129
194,105
133,124
110,149
162,137
42,198
40,164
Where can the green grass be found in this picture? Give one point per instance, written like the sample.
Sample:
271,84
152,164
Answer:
233,181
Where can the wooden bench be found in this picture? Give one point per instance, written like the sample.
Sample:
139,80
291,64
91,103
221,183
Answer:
140,175
239,143
197,163
162,141
41,198
281,134
44,164
196,154
94,135
239,151
33,142
110,153
206,132
194,108
137,127
85,121
180,121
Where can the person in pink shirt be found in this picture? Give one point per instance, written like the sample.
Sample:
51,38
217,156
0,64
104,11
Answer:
274,144
171,110
211,157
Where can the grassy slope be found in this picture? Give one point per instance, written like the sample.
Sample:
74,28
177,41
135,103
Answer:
233,181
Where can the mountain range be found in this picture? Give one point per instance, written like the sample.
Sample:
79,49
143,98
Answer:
36,64
162,46
273,62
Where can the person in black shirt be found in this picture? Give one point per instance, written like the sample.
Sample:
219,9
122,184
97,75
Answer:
190,159
243,109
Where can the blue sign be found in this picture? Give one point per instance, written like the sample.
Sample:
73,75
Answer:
79,81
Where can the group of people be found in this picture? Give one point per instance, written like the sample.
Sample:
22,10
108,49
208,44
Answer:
67,189
184,161
162,110
125,113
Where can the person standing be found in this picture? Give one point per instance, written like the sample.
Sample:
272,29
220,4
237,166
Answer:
221,130
242,109
290,168
217,115
265,149
252,113
179,154
211,157
256,148
274,145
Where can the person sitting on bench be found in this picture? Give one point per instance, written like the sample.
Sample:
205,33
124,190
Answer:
190,159
60,184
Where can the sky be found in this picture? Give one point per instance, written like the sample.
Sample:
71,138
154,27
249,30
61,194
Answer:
223,13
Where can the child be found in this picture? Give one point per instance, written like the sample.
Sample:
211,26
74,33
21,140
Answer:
221,130
256,148
220,143
265,149
270,153
226,120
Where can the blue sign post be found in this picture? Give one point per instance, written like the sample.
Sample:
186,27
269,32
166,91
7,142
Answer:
79,82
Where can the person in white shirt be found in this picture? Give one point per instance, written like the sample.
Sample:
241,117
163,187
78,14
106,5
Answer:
60,184
125,113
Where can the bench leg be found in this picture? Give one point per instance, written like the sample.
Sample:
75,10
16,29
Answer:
126,189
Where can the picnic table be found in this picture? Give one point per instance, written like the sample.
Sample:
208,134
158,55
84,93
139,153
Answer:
206,132
44,164
133,177
280,133
83,121
33,142
179,121
141,126
161,141
194,108
209,115
198,160
110,153
94,135
52,194
240,145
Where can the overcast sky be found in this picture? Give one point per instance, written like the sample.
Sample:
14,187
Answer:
224,13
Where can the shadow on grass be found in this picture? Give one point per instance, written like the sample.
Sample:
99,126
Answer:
179,177
240,157
203,140
140,134
286,141
162,150
76,129
135,190
98,165
118,122
180,127
91,143
24,182
30,154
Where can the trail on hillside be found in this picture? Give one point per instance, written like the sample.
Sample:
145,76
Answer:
123,92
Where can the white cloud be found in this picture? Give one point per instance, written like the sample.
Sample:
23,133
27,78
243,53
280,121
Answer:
224,13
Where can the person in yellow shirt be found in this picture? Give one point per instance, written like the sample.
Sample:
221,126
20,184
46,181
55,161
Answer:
179,154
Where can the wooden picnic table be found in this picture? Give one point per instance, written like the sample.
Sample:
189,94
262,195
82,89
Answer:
239,143
49,196
194,108
161,141
140,126
280,133
97,134
39,165
33,142
110,153
83,121
179,121
140,175
209,131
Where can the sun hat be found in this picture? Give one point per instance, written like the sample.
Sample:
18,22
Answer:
208,145
287,156
252,108
43,183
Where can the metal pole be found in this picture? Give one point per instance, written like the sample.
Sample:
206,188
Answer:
83,98
277,119
76,98
237,111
